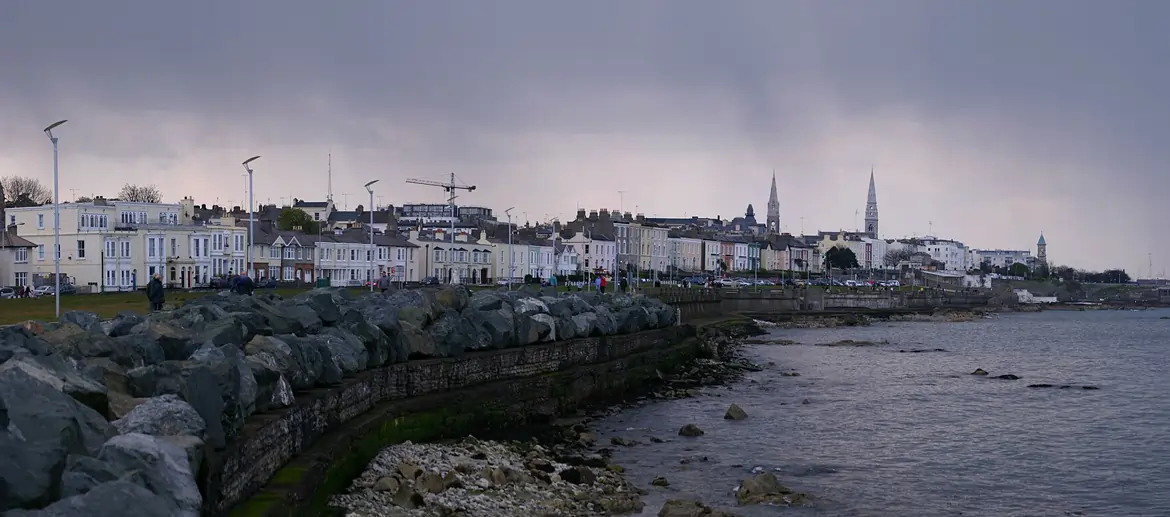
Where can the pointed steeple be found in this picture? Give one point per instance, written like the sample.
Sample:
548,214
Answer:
773,209
872,200
871,209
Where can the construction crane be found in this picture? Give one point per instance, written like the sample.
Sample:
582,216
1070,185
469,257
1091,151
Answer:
450,186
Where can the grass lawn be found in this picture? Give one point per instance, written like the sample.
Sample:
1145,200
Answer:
105,305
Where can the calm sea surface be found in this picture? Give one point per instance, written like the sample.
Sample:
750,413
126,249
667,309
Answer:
885,433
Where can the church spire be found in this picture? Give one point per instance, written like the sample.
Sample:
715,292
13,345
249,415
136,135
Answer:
773,209
871,209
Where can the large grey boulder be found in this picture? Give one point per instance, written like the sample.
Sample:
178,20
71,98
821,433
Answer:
300,366
236,383
69,339
84,473
193,381
451,297
121,324
164,468
530,330
166,415
113,499
88,321
323,302
175,340
196,314
39,428
62,375
297,319
272,390
451,334
380,349
227,331
16,340
147,350
347,350
316,360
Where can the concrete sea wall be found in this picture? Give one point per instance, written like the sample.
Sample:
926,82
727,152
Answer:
698,303
331,434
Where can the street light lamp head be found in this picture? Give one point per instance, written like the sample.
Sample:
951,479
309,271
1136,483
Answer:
250,160
367,185
49,130
509,211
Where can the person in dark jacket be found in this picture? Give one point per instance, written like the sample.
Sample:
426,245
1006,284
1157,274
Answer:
155,293
245,285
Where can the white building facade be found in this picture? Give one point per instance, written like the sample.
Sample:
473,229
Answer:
117,246
741,259
594,253
952,253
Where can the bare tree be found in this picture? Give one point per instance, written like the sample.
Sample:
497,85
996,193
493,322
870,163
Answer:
140,193
83,199
21,191
895,256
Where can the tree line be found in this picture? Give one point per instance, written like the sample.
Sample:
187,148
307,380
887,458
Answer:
24,191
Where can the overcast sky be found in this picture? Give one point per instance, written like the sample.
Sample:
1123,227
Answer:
985,121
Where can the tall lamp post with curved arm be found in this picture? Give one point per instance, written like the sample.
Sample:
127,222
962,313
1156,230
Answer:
372,249
511,253
251,215
56,219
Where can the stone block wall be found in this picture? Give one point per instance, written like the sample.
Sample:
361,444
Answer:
695,303
420,400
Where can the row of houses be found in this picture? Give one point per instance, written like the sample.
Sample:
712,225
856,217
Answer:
109,245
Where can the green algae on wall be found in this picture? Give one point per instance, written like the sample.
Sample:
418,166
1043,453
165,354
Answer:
304,485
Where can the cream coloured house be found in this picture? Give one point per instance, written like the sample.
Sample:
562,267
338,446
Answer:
108,245
509,260
465,259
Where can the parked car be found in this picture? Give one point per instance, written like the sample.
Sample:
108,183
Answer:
47,290
7,292
430,280
266,284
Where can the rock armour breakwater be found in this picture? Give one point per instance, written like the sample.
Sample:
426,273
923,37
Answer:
181,385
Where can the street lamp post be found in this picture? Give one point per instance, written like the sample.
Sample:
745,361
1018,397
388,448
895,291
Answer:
251,216
372,249
56,220
511,253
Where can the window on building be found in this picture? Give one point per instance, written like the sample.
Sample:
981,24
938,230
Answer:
289,252
151,251
174,249
21,278
41,221
288,274
126,249
369,255
80,250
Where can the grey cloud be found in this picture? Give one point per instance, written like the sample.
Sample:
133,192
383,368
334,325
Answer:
1021,112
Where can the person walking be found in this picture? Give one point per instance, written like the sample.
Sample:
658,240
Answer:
384,283
245,285
604,282
155,293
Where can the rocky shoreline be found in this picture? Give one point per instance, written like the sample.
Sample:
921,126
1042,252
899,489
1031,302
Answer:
99,416
562,471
